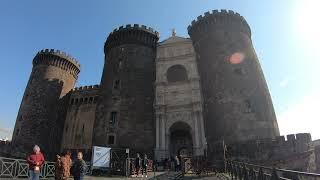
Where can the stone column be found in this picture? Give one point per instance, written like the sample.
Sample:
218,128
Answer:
196,133
157,132
167,150
160,137
163,132
167,136
203,137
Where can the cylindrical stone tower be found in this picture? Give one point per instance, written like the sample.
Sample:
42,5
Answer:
125,115
41,115
237,103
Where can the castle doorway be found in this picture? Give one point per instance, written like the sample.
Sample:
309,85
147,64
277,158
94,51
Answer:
180,140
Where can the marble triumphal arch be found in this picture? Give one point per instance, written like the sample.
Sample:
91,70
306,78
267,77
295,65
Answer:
178,102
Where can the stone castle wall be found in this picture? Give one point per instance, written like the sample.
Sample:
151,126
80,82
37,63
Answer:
120,112
41,115
237,103
125,115
78,127
296,152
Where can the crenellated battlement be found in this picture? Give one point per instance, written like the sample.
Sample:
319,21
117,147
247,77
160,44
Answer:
223,19
88,88
84,95
132,34
278,150
269,148
59,59
138,27
290,139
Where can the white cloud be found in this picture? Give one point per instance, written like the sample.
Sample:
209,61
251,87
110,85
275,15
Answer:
6,133
302,117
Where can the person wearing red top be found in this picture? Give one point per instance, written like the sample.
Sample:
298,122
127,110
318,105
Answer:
35,161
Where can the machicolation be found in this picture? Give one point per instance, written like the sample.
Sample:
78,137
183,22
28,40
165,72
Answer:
227,20
92,87
84,95
59,59
132,34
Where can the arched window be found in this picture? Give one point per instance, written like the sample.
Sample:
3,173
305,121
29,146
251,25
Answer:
177,73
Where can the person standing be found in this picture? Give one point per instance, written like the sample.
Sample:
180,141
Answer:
35,161
172,163
57,167
79,167
177,163
63,166
137,164
145,165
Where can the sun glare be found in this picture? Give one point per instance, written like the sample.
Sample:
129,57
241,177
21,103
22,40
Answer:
307,22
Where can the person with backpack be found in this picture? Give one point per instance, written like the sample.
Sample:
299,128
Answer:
63,165
145,162
79,167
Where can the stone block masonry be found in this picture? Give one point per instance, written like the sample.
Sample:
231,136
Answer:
42,111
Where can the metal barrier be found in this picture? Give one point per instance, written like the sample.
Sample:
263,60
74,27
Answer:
200,165
19,168
131,169
246,171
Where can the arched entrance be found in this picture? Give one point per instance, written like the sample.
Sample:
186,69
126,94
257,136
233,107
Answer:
180,140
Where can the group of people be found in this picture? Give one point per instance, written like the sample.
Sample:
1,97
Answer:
172,163
64,166
141,164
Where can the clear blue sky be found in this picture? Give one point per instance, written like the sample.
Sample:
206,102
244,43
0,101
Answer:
283,32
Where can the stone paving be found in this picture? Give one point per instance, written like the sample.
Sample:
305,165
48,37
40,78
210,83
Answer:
161,176
210,177
151,175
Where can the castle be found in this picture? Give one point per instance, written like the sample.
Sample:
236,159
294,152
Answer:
178,96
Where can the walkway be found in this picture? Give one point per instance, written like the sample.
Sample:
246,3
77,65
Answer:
151,175
160,176
210,177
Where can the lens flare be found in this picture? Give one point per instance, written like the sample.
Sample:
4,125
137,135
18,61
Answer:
236,58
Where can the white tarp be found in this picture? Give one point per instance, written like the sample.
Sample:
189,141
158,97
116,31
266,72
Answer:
100,157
